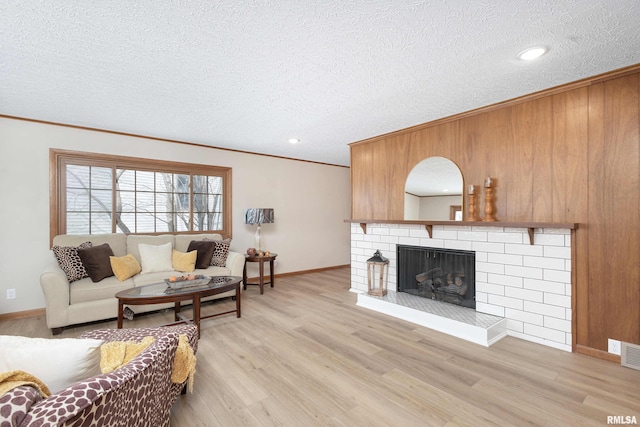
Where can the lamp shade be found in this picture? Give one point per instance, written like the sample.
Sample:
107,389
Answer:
258,216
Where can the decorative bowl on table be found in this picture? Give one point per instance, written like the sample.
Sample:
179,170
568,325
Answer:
179,282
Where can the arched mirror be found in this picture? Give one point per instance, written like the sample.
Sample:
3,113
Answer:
433,191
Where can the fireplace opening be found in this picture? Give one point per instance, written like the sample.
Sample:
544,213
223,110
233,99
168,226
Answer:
446,275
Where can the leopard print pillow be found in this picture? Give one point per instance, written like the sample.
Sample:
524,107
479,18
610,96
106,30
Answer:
220,253
70,262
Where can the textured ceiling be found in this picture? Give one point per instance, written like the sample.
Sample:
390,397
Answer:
249,75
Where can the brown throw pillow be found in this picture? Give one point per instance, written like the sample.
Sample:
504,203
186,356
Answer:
205,250
70,262
220,253
96,261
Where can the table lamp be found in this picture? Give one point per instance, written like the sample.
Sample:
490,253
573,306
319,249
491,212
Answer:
258,216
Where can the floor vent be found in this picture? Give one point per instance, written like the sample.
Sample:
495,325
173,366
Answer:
630,355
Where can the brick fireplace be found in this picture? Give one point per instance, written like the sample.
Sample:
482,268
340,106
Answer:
528,285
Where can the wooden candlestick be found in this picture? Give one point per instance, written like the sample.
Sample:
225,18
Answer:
473,215
489,210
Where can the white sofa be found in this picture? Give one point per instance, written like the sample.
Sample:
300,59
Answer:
85,301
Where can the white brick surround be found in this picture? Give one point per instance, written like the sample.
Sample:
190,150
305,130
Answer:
529,285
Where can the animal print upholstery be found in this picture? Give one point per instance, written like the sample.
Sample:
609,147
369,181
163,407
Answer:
138,394
15,404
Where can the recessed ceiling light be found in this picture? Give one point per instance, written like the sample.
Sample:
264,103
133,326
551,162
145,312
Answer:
532,53
445,190
294,140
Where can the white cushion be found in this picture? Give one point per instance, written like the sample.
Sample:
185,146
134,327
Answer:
56,362
155,257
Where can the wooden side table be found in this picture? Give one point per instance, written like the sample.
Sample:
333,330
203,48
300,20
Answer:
261,260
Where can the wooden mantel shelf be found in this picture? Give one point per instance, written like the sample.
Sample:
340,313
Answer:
428,225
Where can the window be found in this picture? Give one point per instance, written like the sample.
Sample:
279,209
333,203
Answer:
95,194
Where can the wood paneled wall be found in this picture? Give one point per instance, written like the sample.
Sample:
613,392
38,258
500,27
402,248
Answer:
570,154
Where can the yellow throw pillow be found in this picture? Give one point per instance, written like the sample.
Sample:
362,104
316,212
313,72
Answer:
124,266
184,261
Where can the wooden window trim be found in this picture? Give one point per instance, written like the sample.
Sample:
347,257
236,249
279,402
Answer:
57,185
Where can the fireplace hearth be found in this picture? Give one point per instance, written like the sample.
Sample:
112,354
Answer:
445,275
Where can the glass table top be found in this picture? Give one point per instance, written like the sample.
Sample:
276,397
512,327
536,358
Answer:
163,288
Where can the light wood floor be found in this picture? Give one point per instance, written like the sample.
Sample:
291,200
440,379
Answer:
303,354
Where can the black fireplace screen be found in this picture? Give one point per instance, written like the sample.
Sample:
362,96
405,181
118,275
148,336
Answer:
443,274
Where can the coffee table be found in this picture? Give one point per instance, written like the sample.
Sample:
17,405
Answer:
161,293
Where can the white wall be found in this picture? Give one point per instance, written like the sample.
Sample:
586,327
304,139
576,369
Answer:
310,201
437,208
434,208
411,207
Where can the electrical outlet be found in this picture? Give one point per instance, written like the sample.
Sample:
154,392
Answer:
11,293
614,347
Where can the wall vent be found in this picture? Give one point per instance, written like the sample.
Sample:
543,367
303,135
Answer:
630,355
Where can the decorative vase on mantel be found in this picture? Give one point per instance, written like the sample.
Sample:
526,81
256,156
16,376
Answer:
489,208
473,212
